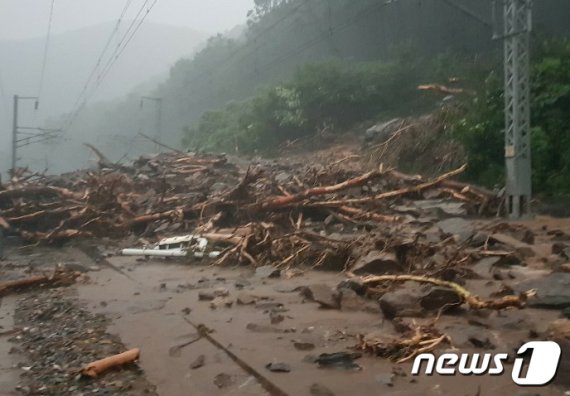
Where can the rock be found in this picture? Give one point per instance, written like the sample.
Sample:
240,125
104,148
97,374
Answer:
303,346
282,177
223,380
522,249
405,301
350,301
559,329
241,284
218,187
459,228
199,362
484,267
564,267
267,271
320,390
246,299
442,208
439,297
75,267
221,302
278,367
276,318
340,360
257,328
377,263
381,132
270,306
553,291
558,248
479,239
385,379
411,300
209,295
528,237
322,294
353,284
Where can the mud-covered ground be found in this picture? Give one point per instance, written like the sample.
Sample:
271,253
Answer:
264,319
246,328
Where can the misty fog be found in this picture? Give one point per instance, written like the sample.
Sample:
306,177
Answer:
79,31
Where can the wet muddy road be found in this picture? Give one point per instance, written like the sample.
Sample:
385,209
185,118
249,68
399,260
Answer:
162,307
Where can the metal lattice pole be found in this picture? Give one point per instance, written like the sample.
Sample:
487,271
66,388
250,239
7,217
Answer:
517,26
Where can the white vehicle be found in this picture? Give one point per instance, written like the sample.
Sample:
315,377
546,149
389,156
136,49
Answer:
180,246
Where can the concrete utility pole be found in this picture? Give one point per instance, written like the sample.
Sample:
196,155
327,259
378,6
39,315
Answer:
517,25
158,125
15,128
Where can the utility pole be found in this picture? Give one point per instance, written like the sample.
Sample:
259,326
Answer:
14,134
15,128
158,125
517,24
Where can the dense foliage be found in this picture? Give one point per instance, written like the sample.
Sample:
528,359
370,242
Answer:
331,95
481,128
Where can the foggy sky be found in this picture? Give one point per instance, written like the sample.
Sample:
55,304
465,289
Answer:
21,19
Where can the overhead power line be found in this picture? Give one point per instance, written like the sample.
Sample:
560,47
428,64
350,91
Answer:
119,49
46,49
102,54
3,98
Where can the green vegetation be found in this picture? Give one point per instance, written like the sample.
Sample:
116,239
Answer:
332,95
480,128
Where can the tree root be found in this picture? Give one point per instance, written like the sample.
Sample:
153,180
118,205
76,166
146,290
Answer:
473,301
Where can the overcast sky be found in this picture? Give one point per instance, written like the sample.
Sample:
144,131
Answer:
28,18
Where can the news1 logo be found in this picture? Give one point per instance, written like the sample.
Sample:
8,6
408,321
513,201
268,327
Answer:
542,365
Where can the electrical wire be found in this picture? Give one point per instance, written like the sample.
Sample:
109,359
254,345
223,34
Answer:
3,98
102,54
120,48
46,50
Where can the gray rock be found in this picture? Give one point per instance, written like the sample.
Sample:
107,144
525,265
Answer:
484,267
411,300
559,248
303,346
339,360
210,295
459,228
246,299
479,239
257,328
199,362
322,294
350,301
223,380
320,390
282,177
353,284
553,291
75,267
377,263
278,367
382,131
267,271
522,249
385,379
442,208
221,302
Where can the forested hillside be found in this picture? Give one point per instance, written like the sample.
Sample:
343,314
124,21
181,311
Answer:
303,65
